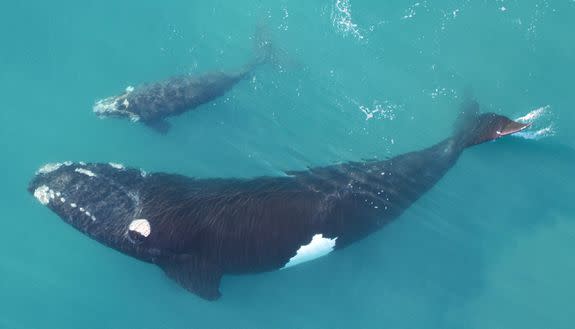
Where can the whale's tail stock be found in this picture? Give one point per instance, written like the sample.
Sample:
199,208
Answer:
473,127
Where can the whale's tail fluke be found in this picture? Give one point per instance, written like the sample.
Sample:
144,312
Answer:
473,127
266,52
263,46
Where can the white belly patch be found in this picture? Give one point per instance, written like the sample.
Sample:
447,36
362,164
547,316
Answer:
318,247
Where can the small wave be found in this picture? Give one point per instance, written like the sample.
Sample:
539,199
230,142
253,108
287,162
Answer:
412,10
341,20
541,121
533,115
539,134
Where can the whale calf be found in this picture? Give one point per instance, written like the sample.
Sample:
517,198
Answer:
196,230
152,103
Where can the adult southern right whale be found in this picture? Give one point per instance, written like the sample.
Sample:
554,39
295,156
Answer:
196,230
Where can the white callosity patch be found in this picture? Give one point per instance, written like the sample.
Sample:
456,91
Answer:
318,247
140,226
45,194
85,172
42,193
49,167
105,105
111,105
118,166
83,211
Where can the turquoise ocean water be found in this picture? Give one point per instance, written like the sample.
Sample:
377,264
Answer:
491,246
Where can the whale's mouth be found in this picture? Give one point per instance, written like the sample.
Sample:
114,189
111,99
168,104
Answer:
116,106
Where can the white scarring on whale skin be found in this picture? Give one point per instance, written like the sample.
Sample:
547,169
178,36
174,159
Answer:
318,247
141,226
42,193
85,172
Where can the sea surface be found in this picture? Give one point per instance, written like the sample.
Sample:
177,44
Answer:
490,246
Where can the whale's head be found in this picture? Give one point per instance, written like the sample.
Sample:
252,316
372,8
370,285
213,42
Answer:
100,200
116,106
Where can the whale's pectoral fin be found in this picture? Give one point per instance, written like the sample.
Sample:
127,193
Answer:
159,126
194,274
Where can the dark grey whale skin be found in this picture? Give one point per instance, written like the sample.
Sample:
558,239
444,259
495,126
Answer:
152,103
204,228
174,96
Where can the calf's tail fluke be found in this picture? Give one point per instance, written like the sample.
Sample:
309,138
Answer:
264,51
474,128
263,47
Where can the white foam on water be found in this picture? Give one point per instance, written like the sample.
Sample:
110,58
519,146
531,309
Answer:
342,21
536,135
411,11
533,115
541,121
382,111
